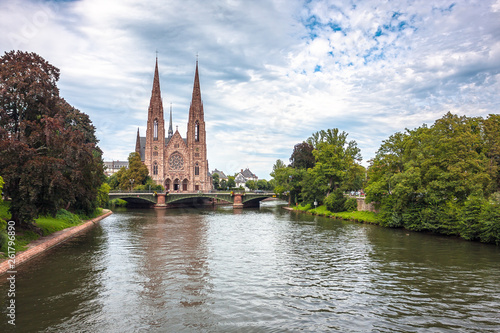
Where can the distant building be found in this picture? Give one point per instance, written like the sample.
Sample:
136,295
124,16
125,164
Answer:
244,176
113,167
221,174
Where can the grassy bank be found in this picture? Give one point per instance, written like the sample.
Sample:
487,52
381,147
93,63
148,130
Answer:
366,217
47,224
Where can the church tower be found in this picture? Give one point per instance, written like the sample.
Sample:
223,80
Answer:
196,140
155,132
179,164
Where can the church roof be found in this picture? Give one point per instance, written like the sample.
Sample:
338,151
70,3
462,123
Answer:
143,146
142,142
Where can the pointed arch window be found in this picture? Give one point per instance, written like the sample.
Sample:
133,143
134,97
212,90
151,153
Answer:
155,168
155,129
196,170
197,131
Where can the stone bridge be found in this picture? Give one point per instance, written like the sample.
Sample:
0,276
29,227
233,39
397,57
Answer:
162,200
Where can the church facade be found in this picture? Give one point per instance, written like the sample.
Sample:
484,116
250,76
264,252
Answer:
179,164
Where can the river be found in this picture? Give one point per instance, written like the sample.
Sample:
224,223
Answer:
255,270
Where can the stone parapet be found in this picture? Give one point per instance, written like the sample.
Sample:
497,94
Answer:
45,243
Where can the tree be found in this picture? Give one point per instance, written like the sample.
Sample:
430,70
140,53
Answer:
251,184
491,127
335,158
1,189
135,175
231,182
113,182
48,150
263,185
302,156
439,178
215,180
280,175
103,195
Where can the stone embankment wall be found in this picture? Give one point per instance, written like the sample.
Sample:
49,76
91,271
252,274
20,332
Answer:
45,243
363,206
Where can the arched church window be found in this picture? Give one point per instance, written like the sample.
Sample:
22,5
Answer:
196,170
155,130
155,168
197,131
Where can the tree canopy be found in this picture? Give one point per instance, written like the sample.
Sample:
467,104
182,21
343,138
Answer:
441,178
136,174
324,162
49,156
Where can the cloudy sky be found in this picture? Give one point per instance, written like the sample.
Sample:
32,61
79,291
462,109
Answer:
272,72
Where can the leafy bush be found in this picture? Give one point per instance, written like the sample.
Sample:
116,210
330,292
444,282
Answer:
351,205
63,214
335,201
117,203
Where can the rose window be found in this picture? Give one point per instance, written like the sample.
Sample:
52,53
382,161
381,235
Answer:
176,161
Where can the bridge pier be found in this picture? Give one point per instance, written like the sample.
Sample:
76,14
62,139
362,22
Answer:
238,200
160,204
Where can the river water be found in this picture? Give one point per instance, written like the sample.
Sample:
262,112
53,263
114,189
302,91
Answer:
255,270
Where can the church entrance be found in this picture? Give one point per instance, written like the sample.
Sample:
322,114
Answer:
177,185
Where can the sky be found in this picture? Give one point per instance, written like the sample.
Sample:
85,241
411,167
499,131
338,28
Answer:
272,72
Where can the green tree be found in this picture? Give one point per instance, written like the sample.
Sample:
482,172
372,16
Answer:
336,161
135,175
215,180
251,184
103,195
281,174
491,130
113,182
436,179
263,185
335,201
149,185
231,182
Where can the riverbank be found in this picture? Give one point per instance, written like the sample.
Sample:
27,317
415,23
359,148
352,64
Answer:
45,243
355,216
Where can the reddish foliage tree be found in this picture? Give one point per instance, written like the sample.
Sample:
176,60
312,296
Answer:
49,156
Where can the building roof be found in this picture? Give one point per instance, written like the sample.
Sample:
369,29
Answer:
220,173
143,145
248,174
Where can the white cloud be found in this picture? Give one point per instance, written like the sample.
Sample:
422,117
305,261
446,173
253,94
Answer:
272,72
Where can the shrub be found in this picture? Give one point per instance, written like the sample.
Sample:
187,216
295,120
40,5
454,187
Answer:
351,205
335,201
63,214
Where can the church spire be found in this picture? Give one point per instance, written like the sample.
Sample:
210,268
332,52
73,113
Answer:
170,130
155,104
196,109
138,142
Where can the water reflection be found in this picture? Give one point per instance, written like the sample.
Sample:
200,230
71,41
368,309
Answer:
259,270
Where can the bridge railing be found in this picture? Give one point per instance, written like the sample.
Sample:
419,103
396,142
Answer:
133,191
186,192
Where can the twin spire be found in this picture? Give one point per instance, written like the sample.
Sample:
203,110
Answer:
156,104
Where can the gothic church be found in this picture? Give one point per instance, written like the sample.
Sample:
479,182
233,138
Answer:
179,164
